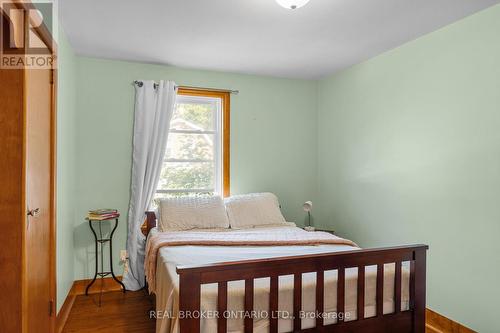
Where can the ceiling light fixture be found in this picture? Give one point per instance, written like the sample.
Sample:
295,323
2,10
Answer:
292,4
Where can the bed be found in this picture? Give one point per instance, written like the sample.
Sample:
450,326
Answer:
202,285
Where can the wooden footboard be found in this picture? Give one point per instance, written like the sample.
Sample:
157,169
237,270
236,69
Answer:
191,278
413,320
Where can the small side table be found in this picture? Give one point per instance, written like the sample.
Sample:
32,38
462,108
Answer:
330,231
101,241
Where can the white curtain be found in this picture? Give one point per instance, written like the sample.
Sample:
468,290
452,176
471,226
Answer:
154,105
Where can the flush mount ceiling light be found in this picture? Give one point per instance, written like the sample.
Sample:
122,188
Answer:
292,4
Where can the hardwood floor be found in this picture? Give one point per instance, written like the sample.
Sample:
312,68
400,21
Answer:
119,312
129,312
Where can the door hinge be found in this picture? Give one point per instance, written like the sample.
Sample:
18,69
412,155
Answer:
51,308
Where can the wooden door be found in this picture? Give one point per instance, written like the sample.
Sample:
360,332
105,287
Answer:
11,200
39,259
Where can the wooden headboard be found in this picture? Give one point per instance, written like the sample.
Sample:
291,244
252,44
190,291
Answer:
149,223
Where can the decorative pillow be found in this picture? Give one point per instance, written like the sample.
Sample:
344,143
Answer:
253,210
186,213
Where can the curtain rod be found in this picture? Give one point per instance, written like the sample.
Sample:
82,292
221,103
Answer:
236,92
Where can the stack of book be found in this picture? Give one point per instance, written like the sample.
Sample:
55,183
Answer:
102,214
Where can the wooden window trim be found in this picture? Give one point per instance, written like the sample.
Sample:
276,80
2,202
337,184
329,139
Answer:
226,125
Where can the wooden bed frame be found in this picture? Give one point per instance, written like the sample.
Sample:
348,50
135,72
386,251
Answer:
411,321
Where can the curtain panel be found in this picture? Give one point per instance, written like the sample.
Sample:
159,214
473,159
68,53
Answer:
154,105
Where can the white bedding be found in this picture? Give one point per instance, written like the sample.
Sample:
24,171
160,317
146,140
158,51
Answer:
254,209
167,284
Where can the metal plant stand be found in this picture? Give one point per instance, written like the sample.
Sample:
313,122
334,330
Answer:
101,241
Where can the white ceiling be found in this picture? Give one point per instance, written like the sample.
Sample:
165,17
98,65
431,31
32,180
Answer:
254,36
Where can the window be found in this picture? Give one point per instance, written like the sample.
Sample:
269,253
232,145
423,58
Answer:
197,157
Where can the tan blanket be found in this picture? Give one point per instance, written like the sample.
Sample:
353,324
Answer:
246,237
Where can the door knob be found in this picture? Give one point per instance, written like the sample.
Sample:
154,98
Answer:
33,212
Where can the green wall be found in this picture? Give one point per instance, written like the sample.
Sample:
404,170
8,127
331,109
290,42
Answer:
273,140
66,167
409,152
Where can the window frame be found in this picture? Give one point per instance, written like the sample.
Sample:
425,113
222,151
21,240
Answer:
223,125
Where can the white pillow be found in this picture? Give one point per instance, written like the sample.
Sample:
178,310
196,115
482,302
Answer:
186,213
253,210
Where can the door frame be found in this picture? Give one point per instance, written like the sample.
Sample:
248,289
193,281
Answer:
53,199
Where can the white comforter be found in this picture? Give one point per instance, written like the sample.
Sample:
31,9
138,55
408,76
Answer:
167,286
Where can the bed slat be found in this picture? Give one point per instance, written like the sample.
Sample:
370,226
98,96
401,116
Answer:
397,287
380,289
340,294
222,307
361,293
320,294
248,305
297,301
273,304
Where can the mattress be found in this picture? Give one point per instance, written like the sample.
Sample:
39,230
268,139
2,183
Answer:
167,288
